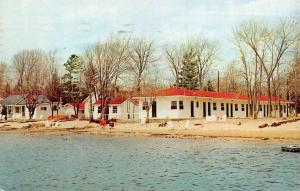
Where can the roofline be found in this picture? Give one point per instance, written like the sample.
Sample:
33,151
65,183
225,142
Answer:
139,97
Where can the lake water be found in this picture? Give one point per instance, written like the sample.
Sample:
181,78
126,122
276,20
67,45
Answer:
86,162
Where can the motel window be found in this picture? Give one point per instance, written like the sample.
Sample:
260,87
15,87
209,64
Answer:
243,107
115,109
214,106
99,109
197,104
260,107
43,108
145,105
17,110
236,107
180,104
173,104
222,107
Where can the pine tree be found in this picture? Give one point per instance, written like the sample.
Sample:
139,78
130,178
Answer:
188,74
71,82
7,90
209,87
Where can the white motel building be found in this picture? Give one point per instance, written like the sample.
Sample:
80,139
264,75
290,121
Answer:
176,103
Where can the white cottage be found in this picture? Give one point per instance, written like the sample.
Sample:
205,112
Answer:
176,103
68,109
16,109
119,108
86,105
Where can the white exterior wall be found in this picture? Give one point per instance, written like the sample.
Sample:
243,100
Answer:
87,106
123,109
164,110
38,113
163,105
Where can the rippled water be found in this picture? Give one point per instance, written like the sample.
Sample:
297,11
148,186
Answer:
86,162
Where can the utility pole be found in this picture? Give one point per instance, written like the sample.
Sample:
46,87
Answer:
218,81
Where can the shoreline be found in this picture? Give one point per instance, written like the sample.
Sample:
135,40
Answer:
197,129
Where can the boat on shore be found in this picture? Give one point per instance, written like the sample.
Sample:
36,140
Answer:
291,148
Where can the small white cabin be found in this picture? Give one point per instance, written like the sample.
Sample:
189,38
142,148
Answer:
119,108
16,108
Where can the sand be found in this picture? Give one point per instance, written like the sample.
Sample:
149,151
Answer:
196,128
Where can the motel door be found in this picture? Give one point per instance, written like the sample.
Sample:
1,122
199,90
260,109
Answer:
23,111
231,110
192,109
204,109
154,109
227,110
247,110
208,107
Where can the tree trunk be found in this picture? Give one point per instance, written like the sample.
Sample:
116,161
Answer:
269,97
138,88
91,108
51,105
147,118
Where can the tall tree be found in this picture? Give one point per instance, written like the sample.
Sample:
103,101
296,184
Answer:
209,86
90,74
294,78
188,73
7,90
142,54
252,71
2,77
30,69
276,40
53,89
71,82
174,56
231,78
206,52
107,60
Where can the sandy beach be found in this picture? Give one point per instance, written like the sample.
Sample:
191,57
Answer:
197,128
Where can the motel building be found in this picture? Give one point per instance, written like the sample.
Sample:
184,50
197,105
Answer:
176,103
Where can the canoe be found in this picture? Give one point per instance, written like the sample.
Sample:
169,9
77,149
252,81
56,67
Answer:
291,148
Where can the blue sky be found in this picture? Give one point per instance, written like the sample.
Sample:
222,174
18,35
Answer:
69,26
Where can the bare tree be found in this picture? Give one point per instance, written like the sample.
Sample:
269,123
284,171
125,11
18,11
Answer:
276,41
294,78
90,82
30,69
2,76
174,56
206,52
251,72
151,85
108,60
231,78
53,89
142,55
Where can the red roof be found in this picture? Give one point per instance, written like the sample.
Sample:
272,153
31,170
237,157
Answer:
117,100
199,93
81,105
